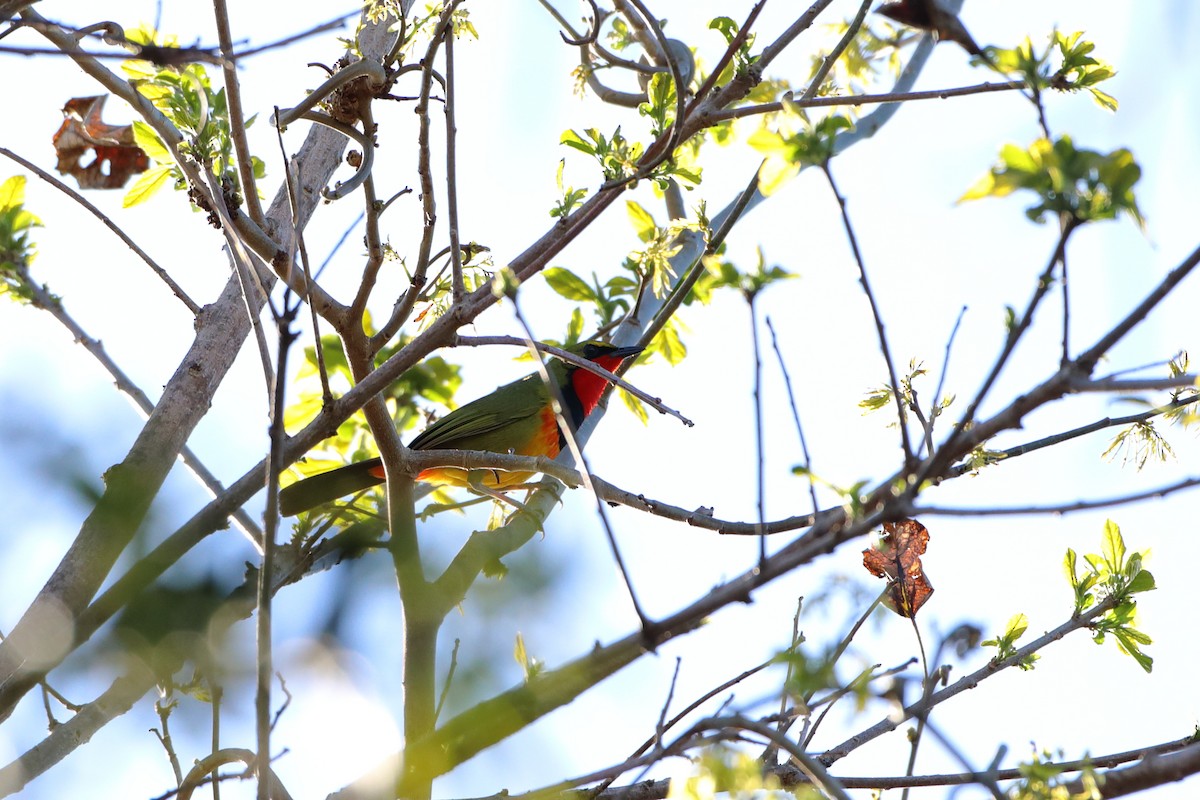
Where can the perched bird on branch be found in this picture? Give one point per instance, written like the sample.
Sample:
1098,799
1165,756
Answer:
516,418
928,15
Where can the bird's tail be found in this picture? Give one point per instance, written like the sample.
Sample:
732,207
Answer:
319,489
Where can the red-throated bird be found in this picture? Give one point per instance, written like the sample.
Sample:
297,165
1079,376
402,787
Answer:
928,15
516,418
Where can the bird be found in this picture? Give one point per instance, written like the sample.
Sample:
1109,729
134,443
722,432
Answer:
928,15
516,418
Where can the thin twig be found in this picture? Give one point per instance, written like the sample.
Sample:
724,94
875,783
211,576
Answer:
1074,433
935,409
884,348
237,119
830,60
591,366
759,446
893,721
437,711
572,441
309,278
247,273
164,708
864,100
1010,344
791,395
456,267
404,306
263,628
1065,508
163,275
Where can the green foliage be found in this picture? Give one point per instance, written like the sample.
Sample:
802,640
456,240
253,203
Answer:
1139,443
616,155
610,300
1185,412
619,36
789,152
660,103
476,272
17,250
1085,185
861,63
807,674
881,397
732,773
653,263
434,379
418,28
1114,574
752,283
570,196
668,343
1006,643
186,97
1042,780
1066,65
742,60
981,457
531,666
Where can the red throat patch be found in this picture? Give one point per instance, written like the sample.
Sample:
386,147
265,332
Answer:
589,386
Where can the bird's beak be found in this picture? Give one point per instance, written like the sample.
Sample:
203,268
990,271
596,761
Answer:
624,352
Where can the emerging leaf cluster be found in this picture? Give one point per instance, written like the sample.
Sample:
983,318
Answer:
881,397
616,155
742,60
865,58
788,152
1006,643
569,195
17,251
724,770
1042,780
1139,443
1083,185
1066,65
1113,573
186,97
660,103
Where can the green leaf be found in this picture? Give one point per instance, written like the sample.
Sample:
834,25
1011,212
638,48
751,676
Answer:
144,188
1129,641
12,193
642,221
1017,625
569,285
151,145
1113,547
635,405
573,139
17,251
532,666
1069,562
575,326
668,344
1142,582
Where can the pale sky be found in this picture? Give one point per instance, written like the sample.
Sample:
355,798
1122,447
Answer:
927,258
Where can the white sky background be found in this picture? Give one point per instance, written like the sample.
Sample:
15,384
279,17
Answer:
927,257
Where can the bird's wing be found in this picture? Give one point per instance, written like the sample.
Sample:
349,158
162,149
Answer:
460,429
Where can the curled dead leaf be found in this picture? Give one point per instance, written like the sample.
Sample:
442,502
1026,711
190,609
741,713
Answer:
897,557
116,155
